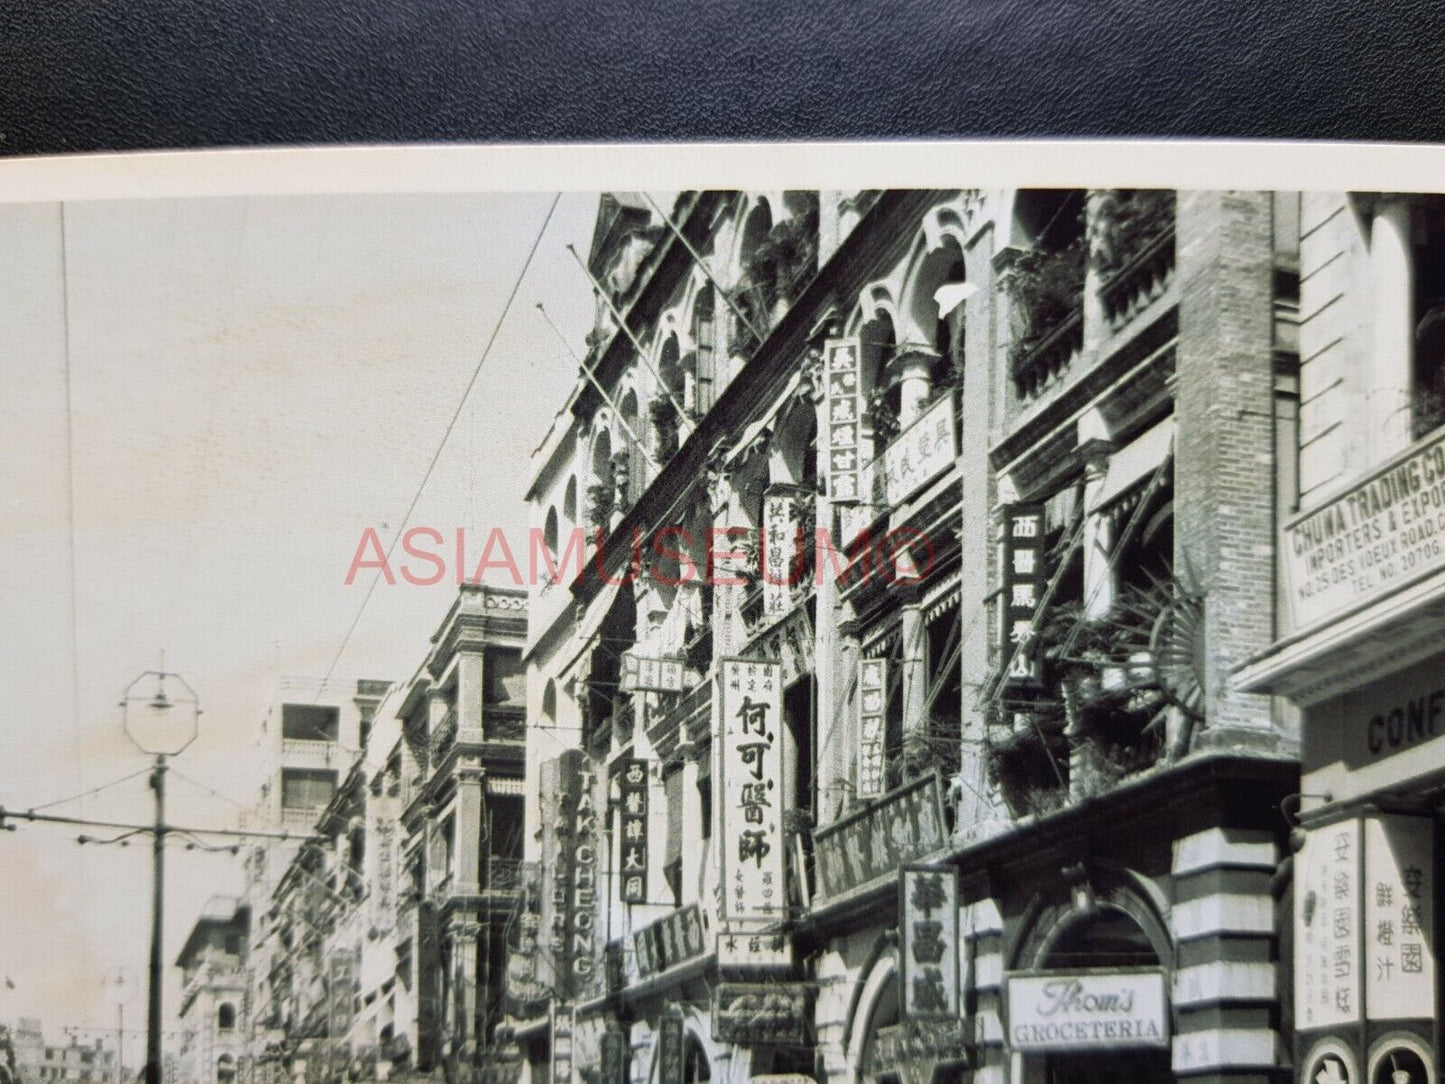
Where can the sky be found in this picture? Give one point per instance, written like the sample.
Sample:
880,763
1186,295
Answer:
219,395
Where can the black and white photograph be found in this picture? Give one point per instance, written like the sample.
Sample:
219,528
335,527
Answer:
670,615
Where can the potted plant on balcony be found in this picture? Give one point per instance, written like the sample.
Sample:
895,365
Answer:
665,424
1046,287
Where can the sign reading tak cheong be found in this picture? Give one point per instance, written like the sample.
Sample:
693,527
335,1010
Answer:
1101,1010
1386,531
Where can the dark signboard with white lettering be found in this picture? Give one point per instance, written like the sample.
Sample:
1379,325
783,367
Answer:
750,1013
902,826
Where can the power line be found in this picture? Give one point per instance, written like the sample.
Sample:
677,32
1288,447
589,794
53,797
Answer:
446,435
92,790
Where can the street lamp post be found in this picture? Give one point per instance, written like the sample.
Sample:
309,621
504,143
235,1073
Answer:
161,725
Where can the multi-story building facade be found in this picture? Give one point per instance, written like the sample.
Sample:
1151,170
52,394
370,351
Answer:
39,1062
212,1008
1036,444
386,929
1363,566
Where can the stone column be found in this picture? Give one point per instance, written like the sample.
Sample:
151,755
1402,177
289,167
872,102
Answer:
464,934
1100,205
914,679
1391,376
467,830
470,724
912,369
1098,533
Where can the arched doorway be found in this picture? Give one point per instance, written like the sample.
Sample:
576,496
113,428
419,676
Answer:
1106,940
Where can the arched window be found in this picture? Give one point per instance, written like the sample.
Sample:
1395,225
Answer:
225,1069
882,398
602,493
757,281
569,502
635,462
704,337
226,1017
936,310
1109,937
695,1067
549,704
550,531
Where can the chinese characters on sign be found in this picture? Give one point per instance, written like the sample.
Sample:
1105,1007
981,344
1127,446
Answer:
754,1013
1399,918
1327,927
569,854
522,984
920,453
738,949
669,1047
614,1056
633,784
561,1045
668,941
383,895
1022,562
749,700
928,942
841,372
646,675
872,726
905,826
781,546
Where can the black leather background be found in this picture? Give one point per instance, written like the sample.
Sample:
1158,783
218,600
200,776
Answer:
85,75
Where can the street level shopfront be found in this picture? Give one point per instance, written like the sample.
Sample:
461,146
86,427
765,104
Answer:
1366,575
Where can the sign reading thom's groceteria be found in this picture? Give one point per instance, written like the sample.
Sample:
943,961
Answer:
1383,532
1079,1011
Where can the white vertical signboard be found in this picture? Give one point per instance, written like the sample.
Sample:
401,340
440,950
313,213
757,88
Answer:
1399,918
780,545
872,726
928,934
750,762
1327,927
841,374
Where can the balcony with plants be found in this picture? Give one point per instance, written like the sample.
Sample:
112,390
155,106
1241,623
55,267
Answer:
778,261
1133,251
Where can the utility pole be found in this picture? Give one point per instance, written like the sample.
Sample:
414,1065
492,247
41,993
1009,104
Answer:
158,903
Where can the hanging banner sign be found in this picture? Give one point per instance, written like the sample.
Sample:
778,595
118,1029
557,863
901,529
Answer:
915,1048
570,847
1399,923
614,1057
779,551
928,939
1382,533
750,765
670,940
1106,1010
749,1013
561,1045
652,675
920,453
1024,582
745,950
669,1047
633,784
872,727
384,842
1327,927
841,375
524,940
790,642
903,826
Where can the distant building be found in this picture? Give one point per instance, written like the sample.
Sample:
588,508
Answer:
213,994
38,1062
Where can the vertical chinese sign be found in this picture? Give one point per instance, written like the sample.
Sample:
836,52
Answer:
872,727
841,373
780,547
928,942
561,1044
632,782
523,986
669,1047
614,1056
1327,927
750,763
1400,970
1022,565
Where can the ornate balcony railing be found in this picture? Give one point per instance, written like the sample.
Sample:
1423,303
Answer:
504,722
1141,280
1037,366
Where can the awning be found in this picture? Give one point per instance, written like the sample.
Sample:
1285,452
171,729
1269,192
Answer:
1134,462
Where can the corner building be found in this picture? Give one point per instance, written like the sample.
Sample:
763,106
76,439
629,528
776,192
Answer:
882,700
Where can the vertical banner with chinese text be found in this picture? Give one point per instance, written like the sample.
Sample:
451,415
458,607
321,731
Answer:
669,1047
1399,927
750,763
872,727
1022,566
633,784
928,942
779,549
1327,927
841,373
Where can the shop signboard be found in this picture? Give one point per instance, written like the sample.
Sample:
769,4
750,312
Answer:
561,1045
750,764
522,945
633,787
669,1047
903,826
614,1056
872,727
643,674
841,376
671,940
1399,927
1382,533
748,1013
780,550
1327,927
928,942
1083,1011
570,848
920,453
753,950
1398,714
914,1049
1024,581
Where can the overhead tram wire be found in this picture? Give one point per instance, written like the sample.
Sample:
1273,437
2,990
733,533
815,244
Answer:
446,435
